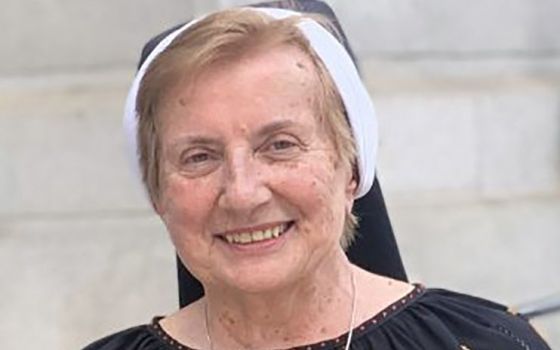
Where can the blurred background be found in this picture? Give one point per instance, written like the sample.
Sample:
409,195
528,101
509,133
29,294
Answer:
468,96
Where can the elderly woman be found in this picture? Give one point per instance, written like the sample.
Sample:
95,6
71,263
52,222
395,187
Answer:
255,136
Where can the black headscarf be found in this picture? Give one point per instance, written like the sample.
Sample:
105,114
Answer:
375,248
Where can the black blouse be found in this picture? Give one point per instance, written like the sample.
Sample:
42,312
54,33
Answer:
427,319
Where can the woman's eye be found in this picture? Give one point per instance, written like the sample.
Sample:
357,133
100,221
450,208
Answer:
281,148
196,158
194,163
281,145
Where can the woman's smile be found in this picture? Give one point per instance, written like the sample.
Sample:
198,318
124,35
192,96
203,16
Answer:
248,236
264,239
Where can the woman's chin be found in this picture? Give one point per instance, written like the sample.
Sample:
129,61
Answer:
261,281
268,275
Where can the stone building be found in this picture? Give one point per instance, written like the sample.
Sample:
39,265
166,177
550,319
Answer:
468,96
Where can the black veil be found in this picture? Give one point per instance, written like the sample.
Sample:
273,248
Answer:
375,248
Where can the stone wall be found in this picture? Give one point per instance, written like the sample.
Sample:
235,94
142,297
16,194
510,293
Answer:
468,98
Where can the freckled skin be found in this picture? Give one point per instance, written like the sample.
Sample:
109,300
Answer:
228,320
233,102
242,181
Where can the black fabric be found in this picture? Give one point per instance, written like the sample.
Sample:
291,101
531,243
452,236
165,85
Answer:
375,247
432,319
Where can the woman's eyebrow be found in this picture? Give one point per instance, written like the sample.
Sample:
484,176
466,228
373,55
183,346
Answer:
275,126
194,140
201,140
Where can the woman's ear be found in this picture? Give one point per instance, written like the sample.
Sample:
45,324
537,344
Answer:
157,197
351,188
350,195
157,207
157,204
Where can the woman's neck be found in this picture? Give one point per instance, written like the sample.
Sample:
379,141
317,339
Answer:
311,309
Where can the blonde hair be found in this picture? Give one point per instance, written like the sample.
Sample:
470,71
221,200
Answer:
224,37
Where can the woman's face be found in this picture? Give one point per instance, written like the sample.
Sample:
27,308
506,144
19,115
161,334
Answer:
252,194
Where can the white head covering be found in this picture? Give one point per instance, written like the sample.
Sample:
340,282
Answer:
359,108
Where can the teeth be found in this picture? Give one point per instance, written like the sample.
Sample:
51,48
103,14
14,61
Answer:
245,237
256,236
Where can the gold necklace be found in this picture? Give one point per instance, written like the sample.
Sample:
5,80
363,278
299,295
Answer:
350,328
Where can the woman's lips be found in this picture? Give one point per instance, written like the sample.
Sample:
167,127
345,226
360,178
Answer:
256,235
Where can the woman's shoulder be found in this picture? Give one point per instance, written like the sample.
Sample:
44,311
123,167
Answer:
143,337
442,319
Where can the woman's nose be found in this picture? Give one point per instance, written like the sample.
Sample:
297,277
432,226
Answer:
244,188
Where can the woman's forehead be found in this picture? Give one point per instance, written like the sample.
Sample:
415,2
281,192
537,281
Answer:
283,63
277,80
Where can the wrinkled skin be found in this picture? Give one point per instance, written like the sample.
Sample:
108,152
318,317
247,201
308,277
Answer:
242,147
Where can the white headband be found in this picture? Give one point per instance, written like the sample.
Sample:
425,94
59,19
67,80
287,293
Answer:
359,108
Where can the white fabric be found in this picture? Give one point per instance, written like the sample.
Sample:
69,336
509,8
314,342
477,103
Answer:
359,107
